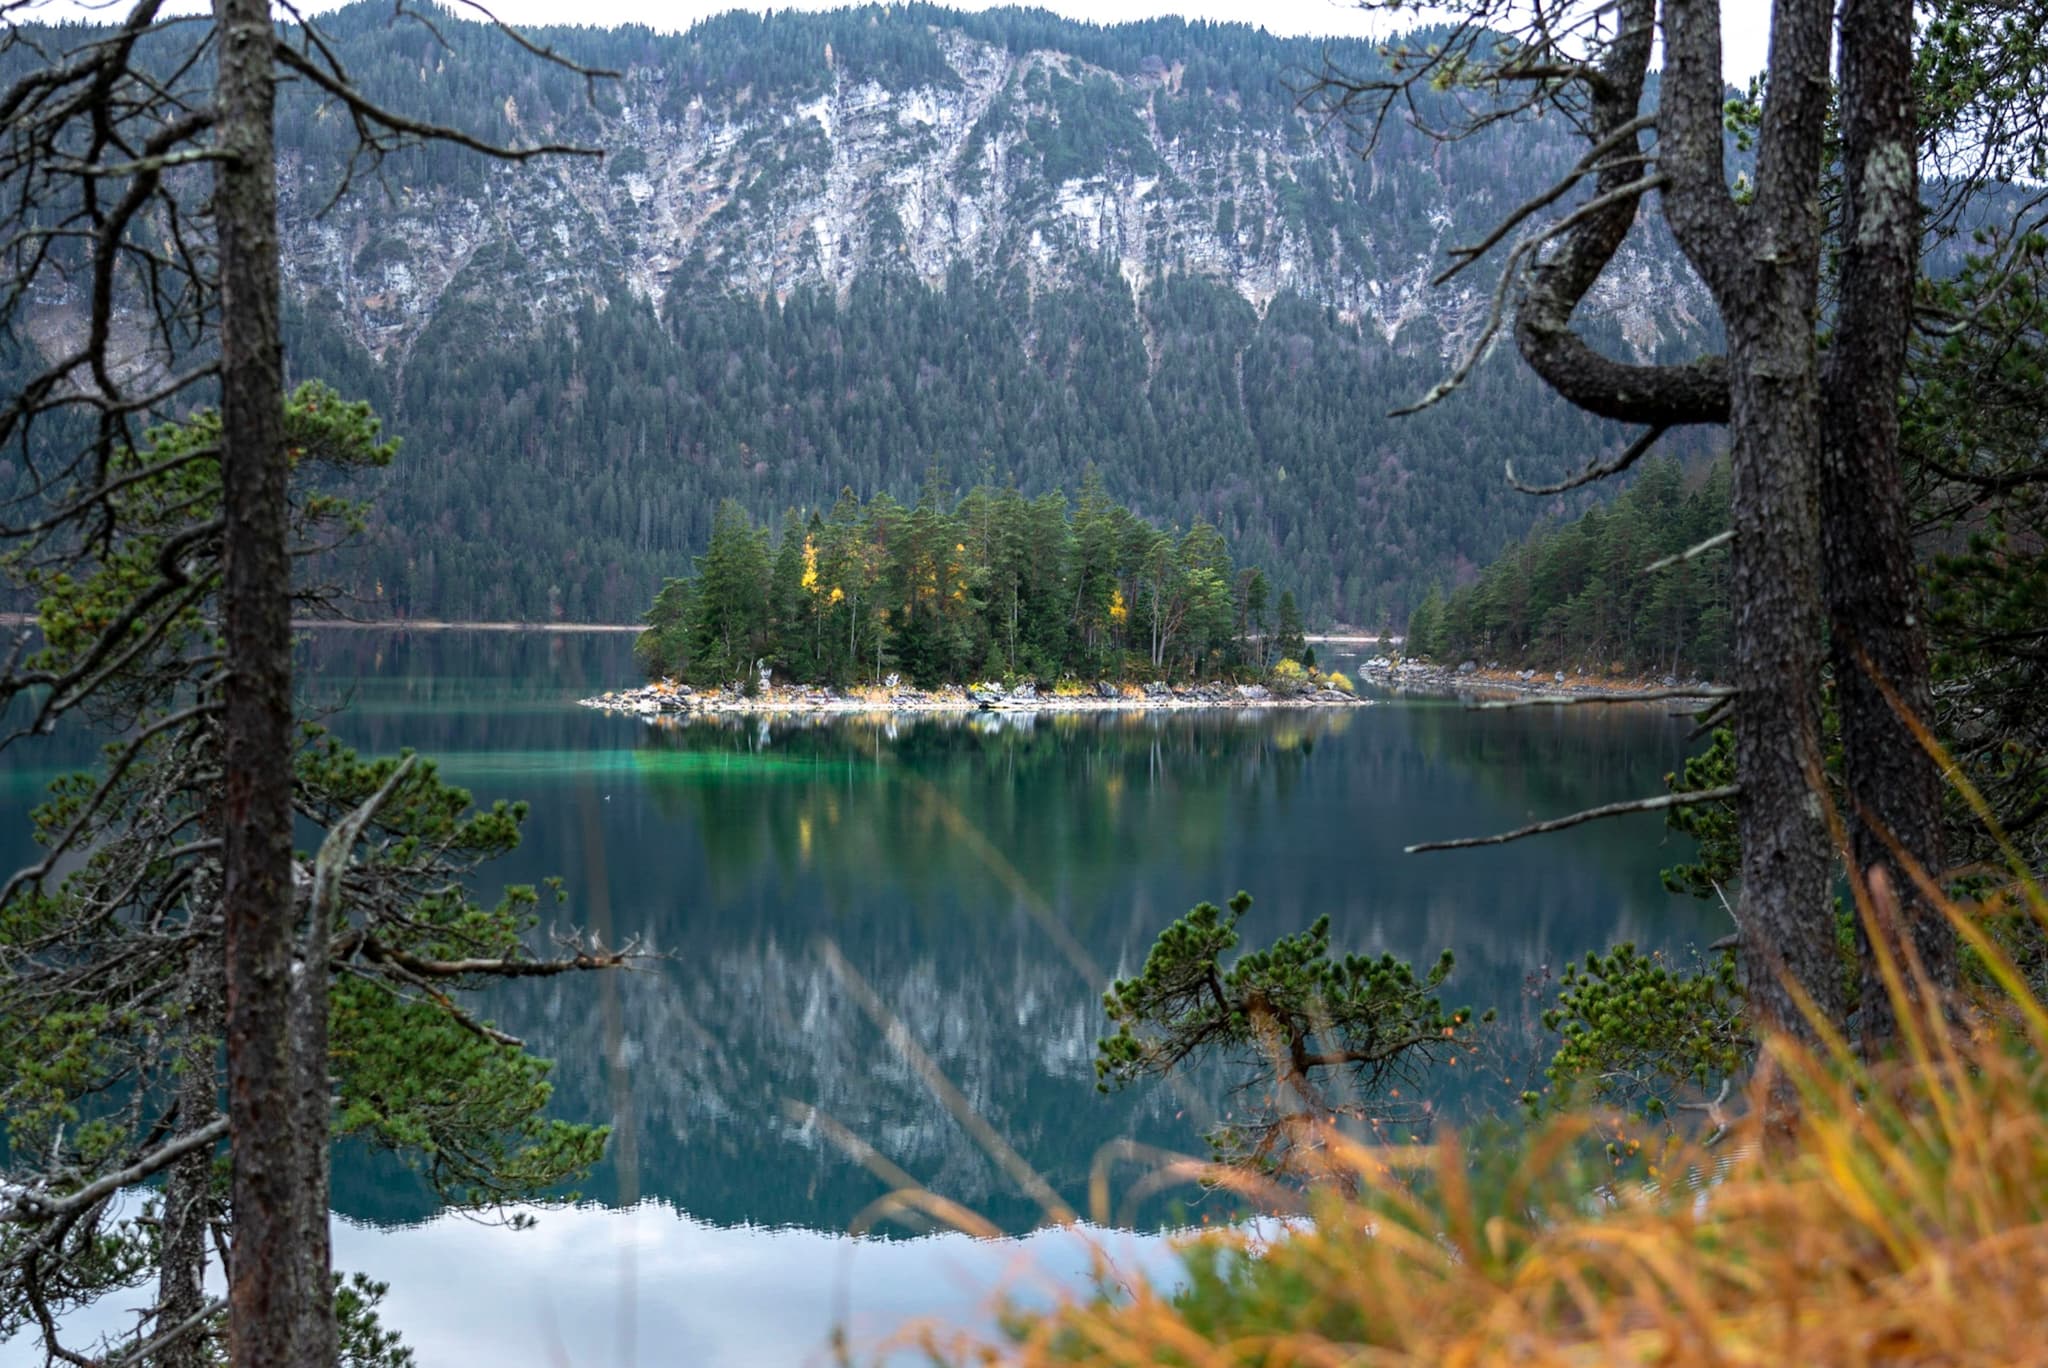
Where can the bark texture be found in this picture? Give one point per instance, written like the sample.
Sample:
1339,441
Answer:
1878,641
1761,261
280,1302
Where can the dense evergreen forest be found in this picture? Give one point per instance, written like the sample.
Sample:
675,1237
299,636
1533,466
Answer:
1579,595
990,585
832,250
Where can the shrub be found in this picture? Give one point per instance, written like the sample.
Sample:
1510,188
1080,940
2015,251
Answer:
1900,1216
1288,678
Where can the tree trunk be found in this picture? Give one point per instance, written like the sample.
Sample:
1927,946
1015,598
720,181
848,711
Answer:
1761,260
1877,641
280,1303
1787,919
188,1186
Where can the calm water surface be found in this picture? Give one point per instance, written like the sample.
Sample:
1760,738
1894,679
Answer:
981,879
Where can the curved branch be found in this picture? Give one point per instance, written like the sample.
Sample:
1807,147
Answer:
1662,396
1599,470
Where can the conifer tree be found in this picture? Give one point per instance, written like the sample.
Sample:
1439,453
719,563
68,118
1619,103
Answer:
731,601
1288,637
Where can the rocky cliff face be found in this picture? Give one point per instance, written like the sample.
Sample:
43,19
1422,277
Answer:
1028,164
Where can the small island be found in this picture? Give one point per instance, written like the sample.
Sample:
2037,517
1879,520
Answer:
671,698
985,601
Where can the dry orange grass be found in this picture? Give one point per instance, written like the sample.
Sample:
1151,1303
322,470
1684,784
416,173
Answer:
1901,1221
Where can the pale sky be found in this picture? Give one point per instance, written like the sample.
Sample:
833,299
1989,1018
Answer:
1745,24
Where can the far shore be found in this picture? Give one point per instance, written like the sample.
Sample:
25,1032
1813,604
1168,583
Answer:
409,625
438,625
464,625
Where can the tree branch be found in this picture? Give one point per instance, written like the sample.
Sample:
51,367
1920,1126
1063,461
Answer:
34,1207
1599,470
1719,539
1657,804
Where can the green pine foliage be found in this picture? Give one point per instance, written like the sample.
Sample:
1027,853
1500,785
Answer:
110,953
1645,1030
1975,436
986,585
1426,625
1711,871
1286,1017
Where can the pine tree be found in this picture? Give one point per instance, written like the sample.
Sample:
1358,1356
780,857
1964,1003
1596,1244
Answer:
730,626
1289,639
1425,625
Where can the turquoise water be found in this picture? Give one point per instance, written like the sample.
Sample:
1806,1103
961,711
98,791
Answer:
982,878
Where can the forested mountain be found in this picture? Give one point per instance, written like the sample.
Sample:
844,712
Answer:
831,250
1580,595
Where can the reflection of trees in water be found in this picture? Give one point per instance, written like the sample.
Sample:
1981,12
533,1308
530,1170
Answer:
1547,758
929,803
922,853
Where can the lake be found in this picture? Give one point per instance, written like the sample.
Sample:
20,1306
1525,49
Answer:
971,883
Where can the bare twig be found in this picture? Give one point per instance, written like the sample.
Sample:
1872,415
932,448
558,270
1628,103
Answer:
1657,804
1719,539
169,1335
1497,312
1599,470
1465,256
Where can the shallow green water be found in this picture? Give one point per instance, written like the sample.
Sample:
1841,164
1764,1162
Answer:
985,877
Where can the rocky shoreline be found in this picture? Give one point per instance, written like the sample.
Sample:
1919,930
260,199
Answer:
1471,679
665,697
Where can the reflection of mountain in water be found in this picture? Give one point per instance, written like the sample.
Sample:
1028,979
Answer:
985,876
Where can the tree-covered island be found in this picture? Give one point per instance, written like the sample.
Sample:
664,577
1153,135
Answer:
987,587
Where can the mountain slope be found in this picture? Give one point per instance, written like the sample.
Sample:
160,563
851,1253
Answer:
840,249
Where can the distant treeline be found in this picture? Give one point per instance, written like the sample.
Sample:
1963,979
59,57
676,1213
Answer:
988,585
1578,595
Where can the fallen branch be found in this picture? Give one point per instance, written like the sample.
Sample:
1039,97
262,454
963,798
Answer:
1657,804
